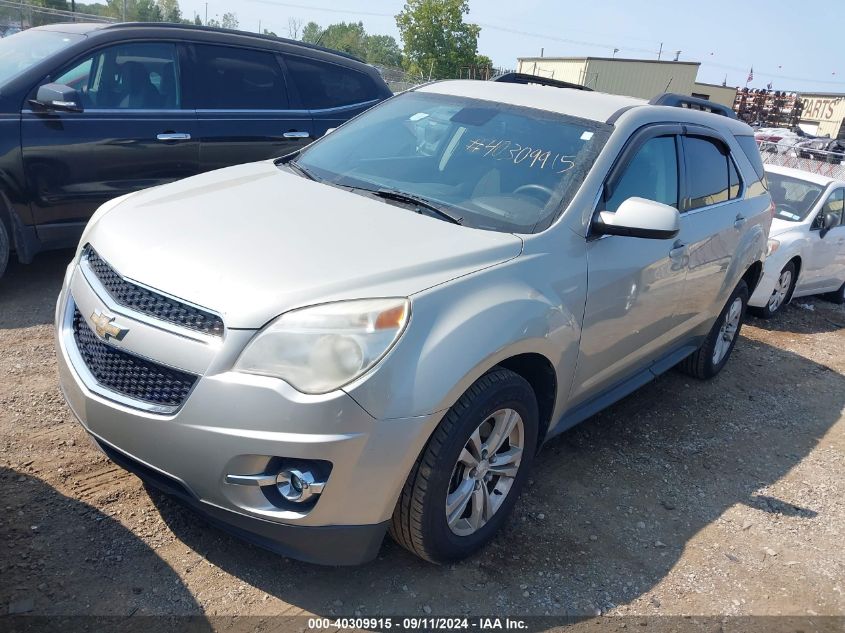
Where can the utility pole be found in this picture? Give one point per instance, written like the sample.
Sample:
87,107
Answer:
206,14
259,27
677,55
124,11
660,52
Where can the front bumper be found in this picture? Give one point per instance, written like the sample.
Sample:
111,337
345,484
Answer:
233,423
766,286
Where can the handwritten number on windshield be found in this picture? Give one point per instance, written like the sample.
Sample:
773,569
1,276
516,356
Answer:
517,154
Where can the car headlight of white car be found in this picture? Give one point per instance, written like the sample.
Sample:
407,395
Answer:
321,348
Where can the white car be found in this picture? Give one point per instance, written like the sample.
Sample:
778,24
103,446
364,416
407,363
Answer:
806,253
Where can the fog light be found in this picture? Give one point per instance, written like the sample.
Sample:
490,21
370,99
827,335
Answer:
298,486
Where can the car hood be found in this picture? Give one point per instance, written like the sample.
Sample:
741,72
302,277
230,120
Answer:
253,241
782,226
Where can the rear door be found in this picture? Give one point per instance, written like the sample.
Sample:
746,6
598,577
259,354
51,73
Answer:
712,220
332,93
244,108
133,133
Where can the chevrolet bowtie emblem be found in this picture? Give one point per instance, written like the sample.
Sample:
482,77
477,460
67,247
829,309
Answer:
104,327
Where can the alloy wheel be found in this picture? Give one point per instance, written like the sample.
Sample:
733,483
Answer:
727,331
781,290
485,471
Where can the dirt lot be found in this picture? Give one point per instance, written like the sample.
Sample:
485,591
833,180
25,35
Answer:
725,497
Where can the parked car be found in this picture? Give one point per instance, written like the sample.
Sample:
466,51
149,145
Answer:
395,318
89,112
806,251
777,140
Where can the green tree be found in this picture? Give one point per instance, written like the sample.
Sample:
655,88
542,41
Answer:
230,20
197,20
147,11
436,39
170,10
311,33
383,50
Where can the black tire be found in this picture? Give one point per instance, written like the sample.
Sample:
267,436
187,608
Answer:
419,522
838,296
766,312
5,248
700,364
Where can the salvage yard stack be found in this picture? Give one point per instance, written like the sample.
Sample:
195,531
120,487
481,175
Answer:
768,108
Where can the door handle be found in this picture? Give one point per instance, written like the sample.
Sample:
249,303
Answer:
297,134
739,221
174,136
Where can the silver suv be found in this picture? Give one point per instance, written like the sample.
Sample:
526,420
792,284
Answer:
378,332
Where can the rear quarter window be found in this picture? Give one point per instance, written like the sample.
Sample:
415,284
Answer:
325,85
749,147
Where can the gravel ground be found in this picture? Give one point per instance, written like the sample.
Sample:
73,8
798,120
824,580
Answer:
720,497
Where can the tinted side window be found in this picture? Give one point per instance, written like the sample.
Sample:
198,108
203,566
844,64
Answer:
651,174
736,183
325,85
707,171
135,76
239,79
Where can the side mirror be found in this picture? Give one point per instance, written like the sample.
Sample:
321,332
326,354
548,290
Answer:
638,217
58,97
829,221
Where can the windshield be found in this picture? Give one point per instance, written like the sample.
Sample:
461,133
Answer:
793,197
490,165
22,50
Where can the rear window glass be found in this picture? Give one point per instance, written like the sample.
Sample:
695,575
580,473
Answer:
324,85
239,79
707,162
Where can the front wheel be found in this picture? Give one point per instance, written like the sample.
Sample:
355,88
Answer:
709,359
466,481
781,293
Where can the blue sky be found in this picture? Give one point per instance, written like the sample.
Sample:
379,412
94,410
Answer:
727,36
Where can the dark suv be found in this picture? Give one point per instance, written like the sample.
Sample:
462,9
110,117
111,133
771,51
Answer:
89,112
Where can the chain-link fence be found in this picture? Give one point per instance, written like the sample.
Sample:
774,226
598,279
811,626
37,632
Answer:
826,163
17,16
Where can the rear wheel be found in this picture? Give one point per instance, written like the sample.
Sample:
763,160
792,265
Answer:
5,248
709,359
466,481
781,293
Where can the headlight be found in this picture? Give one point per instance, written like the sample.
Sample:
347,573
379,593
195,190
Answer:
322,348
773,246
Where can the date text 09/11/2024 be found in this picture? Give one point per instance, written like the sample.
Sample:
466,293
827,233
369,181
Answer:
427,623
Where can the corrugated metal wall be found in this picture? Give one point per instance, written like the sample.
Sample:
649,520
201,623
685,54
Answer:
640,79
571,70
719,94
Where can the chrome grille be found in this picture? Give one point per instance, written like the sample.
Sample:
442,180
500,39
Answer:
128,374
135,297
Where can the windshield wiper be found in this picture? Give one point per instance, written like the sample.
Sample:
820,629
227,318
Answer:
299,169
408,198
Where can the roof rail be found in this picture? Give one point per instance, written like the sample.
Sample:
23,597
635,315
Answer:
676,100
524,78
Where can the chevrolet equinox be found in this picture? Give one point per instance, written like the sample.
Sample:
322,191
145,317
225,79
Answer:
378,332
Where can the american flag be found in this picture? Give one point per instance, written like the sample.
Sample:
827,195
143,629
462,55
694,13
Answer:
751,74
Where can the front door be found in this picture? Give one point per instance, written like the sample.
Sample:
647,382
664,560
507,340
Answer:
243,106
634,284
132,133
825,255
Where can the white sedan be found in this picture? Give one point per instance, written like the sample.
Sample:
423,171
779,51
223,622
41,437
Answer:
806,254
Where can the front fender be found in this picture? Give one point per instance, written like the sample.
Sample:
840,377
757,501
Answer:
460,330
